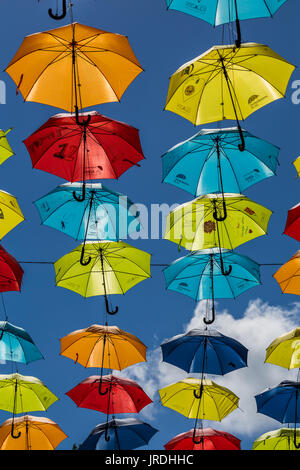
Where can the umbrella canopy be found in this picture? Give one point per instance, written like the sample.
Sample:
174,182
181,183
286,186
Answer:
10,213
199,275
103,346
211,162
109,394
226,82
20,393
209,438
104,148
102,268
204,351
103,215
225,11
213,221
296,164
284,351
292,226
202,399
17,345
11,273
119,434
281,402
5,148
287,275
280,439
36,433
74,66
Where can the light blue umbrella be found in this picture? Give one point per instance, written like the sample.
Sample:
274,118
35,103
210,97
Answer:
102,215
119,434
212,274
217,12
16,344
211,162
204,351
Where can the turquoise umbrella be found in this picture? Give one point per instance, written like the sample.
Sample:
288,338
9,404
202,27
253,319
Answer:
17,345
211,162
217,12
212,274
103,215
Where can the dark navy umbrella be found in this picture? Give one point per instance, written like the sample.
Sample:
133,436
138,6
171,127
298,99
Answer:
119,434
205,351
281,402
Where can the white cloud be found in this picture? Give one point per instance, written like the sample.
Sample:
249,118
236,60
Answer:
256,329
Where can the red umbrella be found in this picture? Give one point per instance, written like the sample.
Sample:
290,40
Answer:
11,272
207,439
292,226
109,394
80,150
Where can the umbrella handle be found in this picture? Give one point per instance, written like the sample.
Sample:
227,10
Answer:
82,262
213,316
106,436
83,123
223,271
82,197
63,14
2,333
215,213
194,438
100,385
110,312
12,433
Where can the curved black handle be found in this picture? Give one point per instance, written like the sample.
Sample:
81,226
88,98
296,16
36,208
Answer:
12,432
2,333
63,14
215,213
82,197
226,273
194,438
82,262
84,122
110,312
295,439
100,385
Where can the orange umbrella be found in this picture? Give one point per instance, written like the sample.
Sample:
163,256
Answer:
36,434
74,67
288,276
103,346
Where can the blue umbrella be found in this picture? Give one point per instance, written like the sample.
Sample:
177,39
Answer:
103,215
217,12
281,402
17,345
211,162
119,434
204,351
212,273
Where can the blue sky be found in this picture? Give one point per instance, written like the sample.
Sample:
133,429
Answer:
162,40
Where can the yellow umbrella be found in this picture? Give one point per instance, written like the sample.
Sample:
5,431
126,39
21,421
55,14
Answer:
226,82
102,268
288,275
73,67
36,433
5,148
280,439
10,213
284,351
215,221
200,399
107,347
296,164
